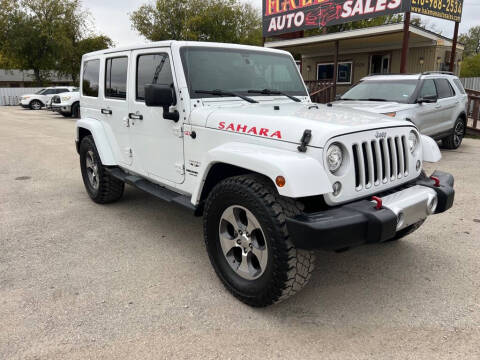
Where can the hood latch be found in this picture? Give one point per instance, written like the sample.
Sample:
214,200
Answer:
307,136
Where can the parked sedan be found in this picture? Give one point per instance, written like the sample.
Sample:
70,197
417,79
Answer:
435,102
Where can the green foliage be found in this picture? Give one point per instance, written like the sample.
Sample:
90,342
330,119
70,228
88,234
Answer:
207,20
471,41
471,66
45,35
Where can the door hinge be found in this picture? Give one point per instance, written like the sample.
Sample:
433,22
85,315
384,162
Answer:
180,168
129,152
178,131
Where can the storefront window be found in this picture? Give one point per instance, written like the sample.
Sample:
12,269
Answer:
344,74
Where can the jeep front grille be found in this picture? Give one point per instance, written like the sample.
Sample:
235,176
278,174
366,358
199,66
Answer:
380,161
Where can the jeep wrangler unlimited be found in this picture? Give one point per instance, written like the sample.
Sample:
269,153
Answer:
230,133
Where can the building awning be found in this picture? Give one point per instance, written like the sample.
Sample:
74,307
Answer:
378,38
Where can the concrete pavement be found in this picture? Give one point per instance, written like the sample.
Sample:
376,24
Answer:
132,280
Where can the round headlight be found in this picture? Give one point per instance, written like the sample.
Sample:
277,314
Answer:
412,141
334,158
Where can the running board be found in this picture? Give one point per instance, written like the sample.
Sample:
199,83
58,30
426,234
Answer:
151,188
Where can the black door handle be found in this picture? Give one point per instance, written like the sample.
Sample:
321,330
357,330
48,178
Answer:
106,112
135,116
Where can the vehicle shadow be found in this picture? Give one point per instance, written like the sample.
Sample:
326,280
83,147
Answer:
361,282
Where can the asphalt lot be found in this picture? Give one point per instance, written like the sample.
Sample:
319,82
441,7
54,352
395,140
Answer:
133,280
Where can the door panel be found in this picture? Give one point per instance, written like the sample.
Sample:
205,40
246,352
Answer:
427,114
114,111
157,143
448,103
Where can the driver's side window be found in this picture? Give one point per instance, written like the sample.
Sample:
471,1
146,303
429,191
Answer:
429,90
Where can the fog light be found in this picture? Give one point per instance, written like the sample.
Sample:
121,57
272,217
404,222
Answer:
419,165
337,188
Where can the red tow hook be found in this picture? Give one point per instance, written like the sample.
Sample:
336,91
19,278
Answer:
379,202
437,181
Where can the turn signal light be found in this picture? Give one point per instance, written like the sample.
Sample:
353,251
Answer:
280,180
391,114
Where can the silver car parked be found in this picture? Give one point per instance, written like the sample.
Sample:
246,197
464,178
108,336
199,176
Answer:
435,102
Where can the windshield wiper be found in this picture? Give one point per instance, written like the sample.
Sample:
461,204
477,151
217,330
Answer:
218,92
273,92
373,99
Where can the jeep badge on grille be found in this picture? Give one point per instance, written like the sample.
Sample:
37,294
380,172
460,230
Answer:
381,135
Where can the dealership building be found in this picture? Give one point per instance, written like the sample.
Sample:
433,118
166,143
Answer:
374,50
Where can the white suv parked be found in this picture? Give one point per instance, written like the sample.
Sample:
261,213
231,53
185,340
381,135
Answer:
43,97
435,102
230,133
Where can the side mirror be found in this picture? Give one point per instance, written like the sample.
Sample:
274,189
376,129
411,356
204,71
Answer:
162,96
427,100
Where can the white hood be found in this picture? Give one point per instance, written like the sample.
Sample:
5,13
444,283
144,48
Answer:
289,122
379,107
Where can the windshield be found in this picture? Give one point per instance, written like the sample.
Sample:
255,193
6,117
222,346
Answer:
382,90
238,71
40,92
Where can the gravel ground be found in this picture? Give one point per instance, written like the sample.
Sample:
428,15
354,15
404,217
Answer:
132,280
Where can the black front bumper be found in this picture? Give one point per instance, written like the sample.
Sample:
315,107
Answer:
359,222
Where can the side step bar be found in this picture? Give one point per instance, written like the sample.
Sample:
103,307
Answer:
151,188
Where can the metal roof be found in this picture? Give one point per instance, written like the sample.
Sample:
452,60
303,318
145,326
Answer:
26,76
359,33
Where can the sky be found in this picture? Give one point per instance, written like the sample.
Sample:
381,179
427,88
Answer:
111,17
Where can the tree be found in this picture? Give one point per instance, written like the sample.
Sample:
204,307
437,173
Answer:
471,66
203,20
471,41
43,35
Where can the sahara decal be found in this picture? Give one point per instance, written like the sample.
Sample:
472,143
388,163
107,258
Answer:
253,130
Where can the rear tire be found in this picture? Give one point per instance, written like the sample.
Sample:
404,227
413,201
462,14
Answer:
262,267
101,187
76,110
36,105
454,140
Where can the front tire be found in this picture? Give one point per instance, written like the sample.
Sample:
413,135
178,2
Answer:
454,140
36,105
101,187
248,242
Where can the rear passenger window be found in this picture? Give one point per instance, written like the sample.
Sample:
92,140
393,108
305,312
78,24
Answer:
59,91
116,78
444,88
429,89
459,85
91,75
152,69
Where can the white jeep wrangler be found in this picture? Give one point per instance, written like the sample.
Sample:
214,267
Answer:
230,132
